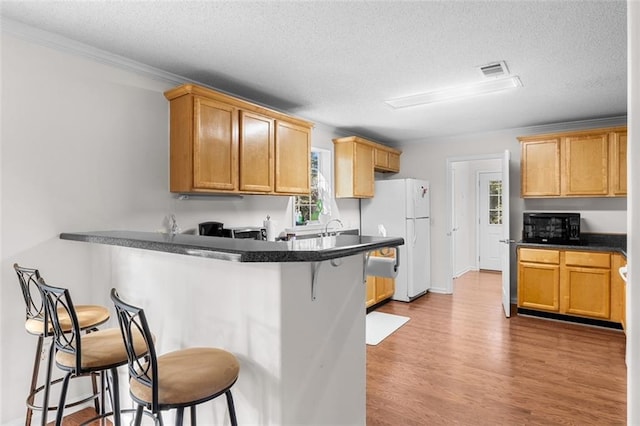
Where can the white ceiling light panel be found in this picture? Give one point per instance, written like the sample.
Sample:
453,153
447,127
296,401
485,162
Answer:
459,92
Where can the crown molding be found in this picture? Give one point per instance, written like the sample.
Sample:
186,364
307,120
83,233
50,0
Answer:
64,44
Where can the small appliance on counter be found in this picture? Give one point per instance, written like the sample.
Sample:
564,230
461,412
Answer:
217,229
211,229
551,228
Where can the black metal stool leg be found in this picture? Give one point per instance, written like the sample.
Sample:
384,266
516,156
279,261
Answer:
63,397
34,381
193,415
232,410
114,391
179,416
47,385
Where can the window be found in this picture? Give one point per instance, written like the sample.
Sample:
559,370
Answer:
495,202
309,208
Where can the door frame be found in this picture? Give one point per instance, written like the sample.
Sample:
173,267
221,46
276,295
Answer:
449,199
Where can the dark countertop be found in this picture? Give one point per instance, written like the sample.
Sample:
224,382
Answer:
239,250
590,242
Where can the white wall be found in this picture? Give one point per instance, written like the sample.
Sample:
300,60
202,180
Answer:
84,146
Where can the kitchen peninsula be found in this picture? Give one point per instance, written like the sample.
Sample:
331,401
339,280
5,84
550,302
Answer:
292,312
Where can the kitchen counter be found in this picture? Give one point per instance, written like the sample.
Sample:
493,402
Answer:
292,312
240,250
588,242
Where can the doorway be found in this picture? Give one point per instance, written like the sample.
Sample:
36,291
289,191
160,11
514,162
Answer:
464,218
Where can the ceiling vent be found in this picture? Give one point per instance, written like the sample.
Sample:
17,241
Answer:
495,69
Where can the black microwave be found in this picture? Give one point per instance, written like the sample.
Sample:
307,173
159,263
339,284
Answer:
551,228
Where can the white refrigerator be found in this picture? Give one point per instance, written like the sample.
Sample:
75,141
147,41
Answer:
400,208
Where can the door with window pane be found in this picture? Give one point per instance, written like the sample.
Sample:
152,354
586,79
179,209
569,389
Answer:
490,220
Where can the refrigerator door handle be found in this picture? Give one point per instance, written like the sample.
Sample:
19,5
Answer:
415,233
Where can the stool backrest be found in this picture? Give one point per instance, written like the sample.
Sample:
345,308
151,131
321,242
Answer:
133,324
28,278
62,314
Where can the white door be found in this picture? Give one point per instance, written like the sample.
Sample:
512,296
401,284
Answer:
490,220
506,240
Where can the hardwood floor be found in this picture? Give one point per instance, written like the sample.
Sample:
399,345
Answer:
460,361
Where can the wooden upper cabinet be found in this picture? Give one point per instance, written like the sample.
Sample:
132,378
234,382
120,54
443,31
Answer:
256,152
219,143
355,161
386,160
292,158
353,169
618,153
588,163
540,167
215,155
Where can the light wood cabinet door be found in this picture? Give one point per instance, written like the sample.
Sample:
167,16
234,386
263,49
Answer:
215,146
394,162
353,169
380,158
363,184
540,168
371,292
292,158
586,165
539,286
586,292
618,161
256,152
618,290
385,287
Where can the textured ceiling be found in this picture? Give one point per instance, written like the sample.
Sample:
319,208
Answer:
336,62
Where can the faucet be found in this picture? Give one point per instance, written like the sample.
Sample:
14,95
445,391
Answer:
326,228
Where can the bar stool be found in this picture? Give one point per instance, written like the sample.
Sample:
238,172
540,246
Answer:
179,379
80,354
89,316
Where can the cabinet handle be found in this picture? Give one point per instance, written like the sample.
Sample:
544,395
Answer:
623,272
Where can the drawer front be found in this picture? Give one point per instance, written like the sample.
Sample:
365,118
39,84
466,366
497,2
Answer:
539,255
588,258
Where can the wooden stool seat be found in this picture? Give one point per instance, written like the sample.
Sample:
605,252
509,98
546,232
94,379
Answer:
101,350
89,316
189,375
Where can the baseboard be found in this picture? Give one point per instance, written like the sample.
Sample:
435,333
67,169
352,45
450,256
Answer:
570,318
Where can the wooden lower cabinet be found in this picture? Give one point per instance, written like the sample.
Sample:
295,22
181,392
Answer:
570,282
586,292
379,288
539,279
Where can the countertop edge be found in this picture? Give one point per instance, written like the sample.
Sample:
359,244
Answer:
228,249
574,247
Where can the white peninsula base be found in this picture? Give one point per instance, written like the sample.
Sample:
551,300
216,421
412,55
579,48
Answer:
302,361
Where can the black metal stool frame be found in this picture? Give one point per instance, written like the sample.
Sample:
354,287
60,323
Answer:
35,310
56,298
132,321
